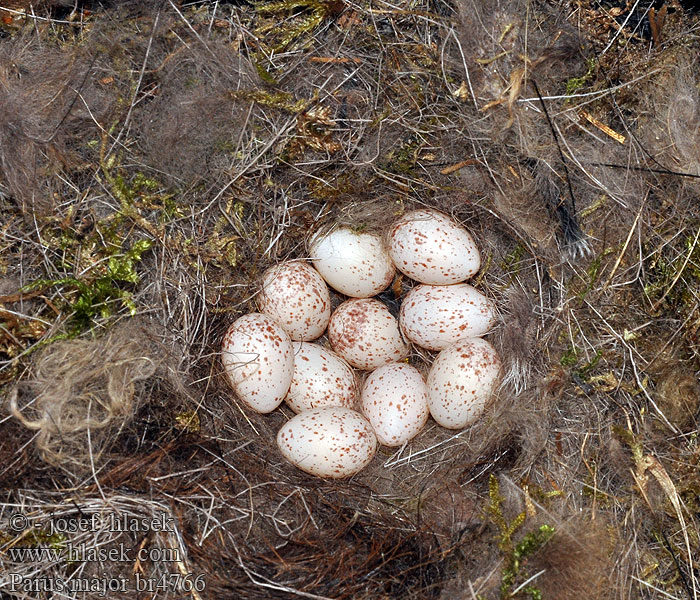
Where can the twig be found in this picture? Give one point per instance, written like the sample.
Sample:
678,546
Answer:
649,169
620,28
556,139
684,579
624,246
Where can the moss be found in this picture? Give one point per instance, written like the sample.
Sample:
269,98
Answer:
274,99
511,262
188,422
672,281
574,84
515,553
94,293
569,358
34,538
286,23
332,186
402,160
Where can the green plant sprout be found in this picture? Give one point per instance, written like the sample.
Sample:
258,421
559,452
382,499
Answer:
570,358
576,83
306,16
515,554
97,291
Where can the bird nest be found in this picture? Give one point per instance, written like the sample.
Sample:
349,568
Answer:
157,158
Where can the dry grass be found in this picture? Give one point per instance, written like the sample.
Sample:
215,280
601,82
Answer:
156,158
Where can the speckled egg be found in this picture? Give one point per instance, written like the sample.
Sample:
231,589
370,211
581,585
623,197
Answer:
366,334
258,360
321,378
437,316
461,381
331,442
395,402
355,264
430,247
295,295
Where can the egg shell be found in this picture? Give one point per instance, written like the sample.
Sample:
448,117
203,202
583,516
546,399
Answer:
395,402
321,378
366,334
437,316
295,295
355,264
331,442
461,382
258,360
430,247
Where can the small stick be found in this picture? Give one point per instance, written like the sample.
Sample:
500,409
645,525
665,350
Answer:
656,22
556,139
331,59
659,171
17,296
458,166
618,137
675,562
624,247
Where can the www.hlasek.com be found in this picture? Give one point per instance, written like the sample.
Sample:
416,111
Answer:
89,553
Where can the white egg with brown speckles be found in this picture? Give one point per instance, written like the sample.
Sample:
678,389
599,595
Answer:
321,378
437,316
366,334
354,263
461,382
395,402
295,295
258,360
430,247
333,442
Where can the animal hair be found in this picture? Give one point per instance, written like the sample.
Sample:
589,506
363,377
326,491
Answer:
82,394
